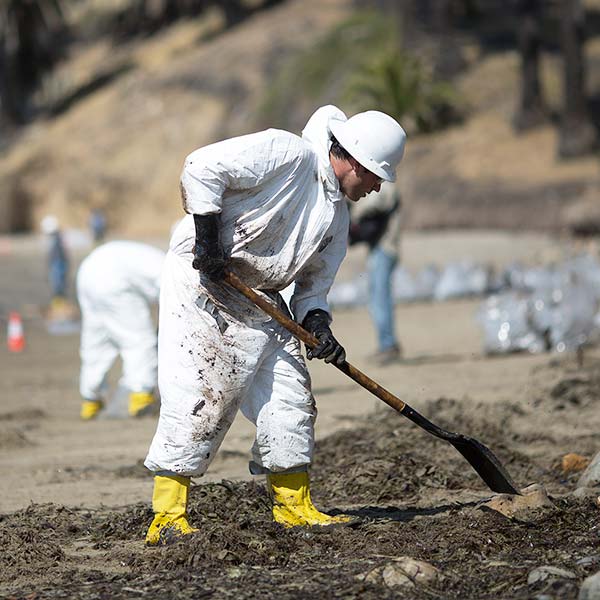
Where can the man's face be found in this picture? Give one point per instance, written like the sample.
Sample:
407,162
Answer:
359,182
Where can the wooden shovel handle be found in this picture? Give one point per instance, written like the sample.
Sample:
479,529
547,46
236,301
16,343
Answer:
311,341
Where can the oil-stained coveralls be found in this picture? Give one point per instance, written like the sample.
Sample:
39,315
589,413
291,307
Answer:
282,219
117,284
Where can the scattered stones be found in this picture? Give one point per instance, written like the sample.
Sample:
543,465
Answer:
404,571
510,505
573,463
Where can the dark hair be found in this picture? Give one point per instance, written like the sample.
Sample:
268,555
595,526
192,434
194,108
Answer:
338,150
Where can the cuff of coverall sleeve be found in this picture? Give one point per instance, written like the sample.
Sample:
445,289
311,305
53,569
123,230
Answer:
199,197
301,309
165,473
256,469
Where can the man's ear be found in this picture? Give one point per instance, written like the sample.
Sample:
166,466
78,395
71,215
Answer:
356,166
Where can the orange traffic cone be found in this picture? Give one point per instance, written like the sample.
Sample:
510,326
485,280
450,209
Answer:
16,338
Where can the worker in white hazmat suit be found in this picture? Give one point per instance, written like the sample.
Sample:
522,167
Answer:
117,284
270,207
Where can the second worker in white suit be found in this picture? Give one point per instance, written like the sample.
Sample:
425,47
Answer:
117,284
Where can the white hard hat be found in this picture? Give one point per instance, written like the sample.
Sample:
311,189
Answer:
374,139
49,224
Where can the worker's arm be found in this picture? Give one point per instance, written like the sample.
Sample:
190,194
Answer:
316,278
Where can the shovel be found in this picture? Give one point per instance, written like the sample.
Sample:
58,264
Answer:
480,457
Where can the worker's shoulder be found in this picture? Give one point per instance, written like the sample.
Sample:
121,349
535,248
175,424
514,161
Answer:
287,146
287,137
280,141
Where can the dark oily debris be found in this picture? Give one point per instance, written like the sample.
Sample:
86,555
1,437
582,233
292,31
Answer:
240,552
388,457
415,495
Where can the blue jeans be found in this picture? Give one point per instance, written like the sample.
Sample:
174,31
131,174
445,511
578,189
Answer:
380,266
58,277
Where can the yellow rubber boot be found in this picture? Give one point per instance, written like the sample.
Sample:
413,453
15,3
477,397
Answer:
90,409
58,303
169,502
292,505
140,403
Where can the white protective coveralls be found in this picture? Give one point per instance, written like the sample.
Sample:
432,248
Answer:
283,218
116,285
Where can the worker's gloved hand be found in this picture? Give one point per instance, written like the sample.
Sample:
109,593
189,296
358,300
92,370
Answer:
329,349
209,257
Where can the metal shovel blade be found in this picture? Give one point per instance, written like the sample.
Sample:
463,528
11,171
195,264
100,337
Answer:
481,458
488,467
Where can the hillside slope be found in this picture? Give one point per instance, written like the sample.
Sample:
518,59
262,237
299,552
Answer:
122,147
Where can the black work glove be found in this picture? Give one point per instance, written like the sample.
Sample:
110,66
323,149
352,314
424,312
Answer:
329,349
209,257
